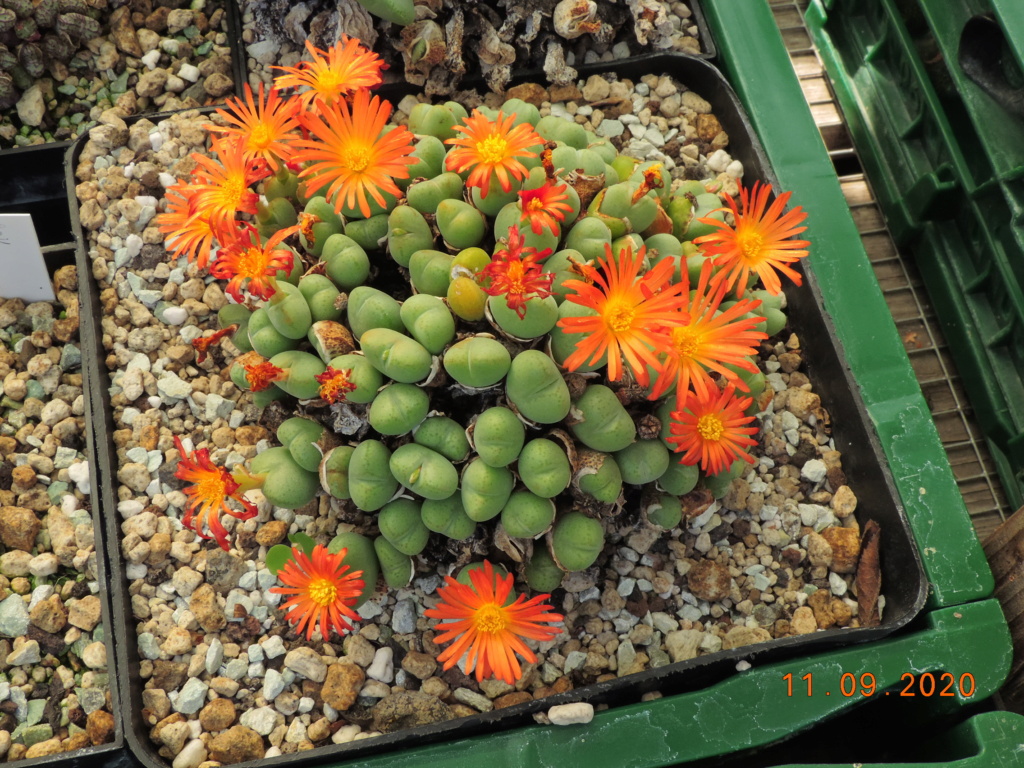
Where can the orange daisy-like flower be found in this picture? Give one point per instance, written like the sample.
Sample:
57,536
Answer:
247,263
222,189
261,375
262,126
208,495
335,384
711,340
516,274
713,430
634,314
322,590
545,207
333,74
202,344
485,630
188,230
348,154
759,242
492,147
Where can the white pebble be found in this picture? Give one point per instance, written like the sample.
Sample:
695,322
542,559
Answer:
718,161
735,169
156,140
79,475
166,179
571,714
129,170
188,72
383,667
175,315
134,245
151,59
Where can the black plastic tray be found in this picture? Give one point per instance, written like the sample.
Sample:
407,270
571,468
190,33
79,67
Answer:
904,582
708,49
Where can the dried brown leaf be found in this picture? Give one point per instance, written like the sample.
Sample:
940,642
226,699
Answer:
869,576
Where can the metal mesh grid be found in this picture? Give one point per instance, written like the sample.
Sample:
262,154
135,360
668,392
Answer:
902,287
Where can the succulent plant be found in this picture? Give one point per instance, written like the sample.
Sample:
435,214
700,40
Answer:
467,378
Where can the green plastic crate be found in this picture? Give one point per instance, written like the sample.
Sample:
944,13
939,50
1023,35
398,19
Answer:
971,257
967,38
907,143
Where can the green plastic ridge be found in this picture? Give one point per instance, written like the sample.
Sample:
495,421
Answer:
749,51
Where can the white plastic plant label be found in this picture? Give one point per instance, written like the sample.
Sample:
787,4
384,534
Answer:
23,272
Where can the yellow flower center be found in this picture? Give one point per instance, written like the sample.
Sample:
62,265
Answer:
234,189
327,81
355,157
685,341
619,315
211,487
710,427
260,138
492,150
751,244
535,205
490,619
322,591
251,263
514,274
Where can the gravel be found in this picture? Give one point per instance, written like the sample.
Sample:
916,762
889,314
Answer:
144,59
53,682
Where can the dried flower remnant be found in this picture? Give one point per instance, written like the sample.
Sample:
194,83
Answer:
545,207
264,127
713,431
652,179
248,264
335,384
202,344
333,74
574,18
321,591
709,341
492,147
306,222
758,242
188,231
486,631
634,313
261,375
223,189
348,154
516,274
211,488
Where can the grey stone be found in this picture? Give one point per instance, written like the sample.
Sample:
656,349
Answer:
403,620
191,697
14,616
